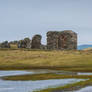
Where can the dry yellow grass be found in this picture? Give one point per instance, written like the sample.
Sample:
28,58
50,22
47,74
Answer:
24,59
13,46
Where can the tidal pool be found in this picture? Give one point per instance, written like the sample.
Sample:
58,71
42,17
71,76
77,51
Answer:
12,73
30,86
84,73
86,89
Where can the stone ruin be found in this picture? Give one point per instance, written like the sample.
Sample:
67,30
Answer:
64,40
5,44
25,43
36,42
56,40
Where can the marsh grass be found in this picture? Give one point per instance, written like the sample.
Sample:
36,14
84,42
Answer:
34,59
68,87
44,77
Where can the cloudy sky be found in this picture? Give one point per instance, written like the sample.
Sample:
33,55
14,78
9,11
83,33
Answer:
25,18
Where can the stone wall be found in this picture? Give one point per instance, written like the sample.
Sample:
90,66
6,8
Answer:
52,40
5,44
25,43
36,42
56,40
62,40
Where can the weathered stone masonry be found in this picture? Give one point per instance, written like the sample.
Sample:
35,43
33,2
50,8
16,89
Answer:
52,40
56,40
5,44
25,43
36,42
62,40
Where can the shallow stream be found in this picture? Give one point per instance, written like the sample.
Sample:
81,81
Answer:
30,86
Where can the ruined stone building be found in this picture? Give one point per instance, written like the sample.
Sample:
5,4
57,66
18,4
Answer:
56,40
36,42
5,44
62,40
25,43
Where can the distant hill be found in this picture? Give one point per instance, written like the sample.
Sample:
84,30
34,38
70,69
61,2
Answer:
81,47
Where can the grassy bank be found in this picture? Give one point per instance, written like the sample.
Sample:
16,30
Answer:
44,77
63,60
